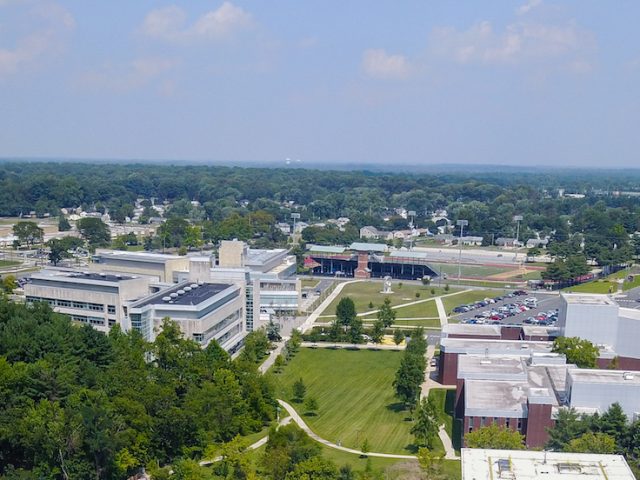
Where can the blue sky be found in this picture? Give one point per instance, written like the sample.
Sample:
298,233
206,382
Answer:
533,82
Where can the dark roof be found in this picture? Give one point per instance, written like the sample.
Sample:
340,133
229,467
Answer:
193,294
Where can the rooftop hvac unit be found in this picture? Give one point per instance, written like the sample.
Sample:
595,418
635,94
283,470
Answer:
180,292
194,285
173,295
628,375
166,299
187,289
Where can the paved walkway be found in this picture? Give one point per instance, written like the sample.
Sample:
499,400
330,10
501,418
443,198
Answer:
352,346
266,365
442,313
308,323
301,423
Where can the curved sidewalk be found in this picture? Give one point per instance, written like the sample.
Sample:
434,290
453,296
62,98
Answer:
296,418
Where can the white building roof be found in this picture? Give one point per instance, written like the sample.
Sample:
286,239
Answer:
326,249
480,464
588,299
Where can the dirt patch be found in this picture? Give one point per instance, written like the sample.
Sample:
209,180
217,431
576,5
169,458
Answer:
511,274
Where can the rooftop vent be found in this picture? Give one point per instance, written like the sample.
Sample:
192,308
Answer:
485,361
200,282
180,292
173,295
524,347
187,289
166,299
627,376
194,285
103,274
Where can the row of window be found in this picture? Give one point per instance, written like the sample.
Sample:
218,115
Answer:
97,321
207,335
507,422
54,302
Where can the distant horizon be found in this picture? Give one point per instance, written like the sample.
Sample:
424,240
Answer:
542,83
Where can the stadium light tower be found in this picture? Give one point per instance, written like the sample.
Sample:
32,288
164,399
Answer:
412,214
518,219
461,224
295,216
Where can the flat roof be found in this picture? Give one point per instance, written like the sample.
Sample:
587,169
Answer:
539,330
75,275
327,248
184,294
368,247
481,464
588,299
588,375
471,329
408,254
631,313
138,256
494,347
500,398
475,366
259,256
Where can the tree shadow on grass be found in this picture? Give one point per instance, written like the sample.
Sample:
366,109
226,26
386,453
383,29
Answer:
396,407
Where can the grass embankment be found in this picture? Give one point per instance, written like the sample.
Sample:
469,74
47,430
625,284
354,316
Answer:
608,284
309,282
8,263
469,271
445,400
364,293
355,397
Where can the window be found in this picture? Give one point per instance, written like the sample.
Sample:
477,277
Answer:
471,421
64,303
112,322
519,424
495,420
96,307
482,420
111,309
80,305
506,422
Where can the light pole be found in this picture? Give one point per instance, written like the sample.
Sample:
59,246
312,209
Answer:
412,214
518,219
294,216
461,224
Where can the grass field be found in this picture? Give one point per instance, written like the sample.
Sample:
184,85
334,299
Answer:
355,397
424,309
467,297
8,263
445,399
512,284
309,282
362,293
598,286
469,271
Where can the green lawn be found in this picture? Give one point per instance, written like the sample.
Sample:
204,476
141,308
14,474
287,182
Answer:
309,282
598,286
8,263
362,293
430,322
355,397
469,271
445,400
467,297
424,309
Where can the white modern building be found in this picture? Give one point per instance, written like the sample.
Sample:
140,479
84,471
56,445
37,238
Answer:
204,311
159,266
484,464
98,299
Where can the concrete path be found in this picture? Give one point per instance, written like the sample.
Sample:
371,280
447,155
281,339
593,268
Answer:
311,319
301,423
266,365
442,313
450,453
352,346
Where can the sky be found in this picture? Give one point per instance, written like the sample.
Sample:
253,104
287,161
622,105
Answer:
530,82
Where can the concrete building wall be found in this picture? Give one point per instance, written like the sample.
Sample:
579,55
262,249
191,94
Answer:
628,334
232,254
538,421
602,395
595,322
448,368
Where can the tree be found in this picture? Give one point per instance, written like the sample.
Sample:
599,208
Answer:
346,311
426,281
311,406
377,332
590,442
355,330
579,351
614,421
57,250
364,448
398,336
279,363
94,231
63,224
273,331
431,463
408,379
386,314
495,437
315,468
568,425
9,284
299,390
427,423
28,232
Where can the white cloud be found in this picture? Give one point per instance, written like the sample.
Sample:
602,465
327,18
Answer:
379,64
41,44
170,23
527,7
519,42
123,78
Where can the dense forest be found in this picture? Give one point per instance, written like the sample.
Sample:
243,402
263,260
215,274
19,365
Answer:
246,202
78,404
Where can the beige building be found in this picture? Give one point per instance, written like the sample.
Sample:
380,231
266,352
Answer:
204,311
98,299
161,267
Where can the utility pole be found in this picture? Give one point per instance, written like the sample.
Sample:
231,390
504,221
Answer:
518,219
294,216
461,224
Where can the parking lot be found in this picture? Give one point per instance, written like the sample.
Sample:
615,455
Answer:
507,306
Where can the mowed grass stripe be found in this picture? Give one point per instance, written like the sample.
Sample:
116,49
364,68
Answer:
355,397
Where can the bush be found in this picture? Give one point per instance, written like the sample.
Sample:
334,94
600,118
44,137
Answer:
446,287
417,294
433,291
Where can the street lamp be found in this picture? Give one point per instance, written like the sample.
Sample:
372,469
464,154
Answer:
461,224
517,218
